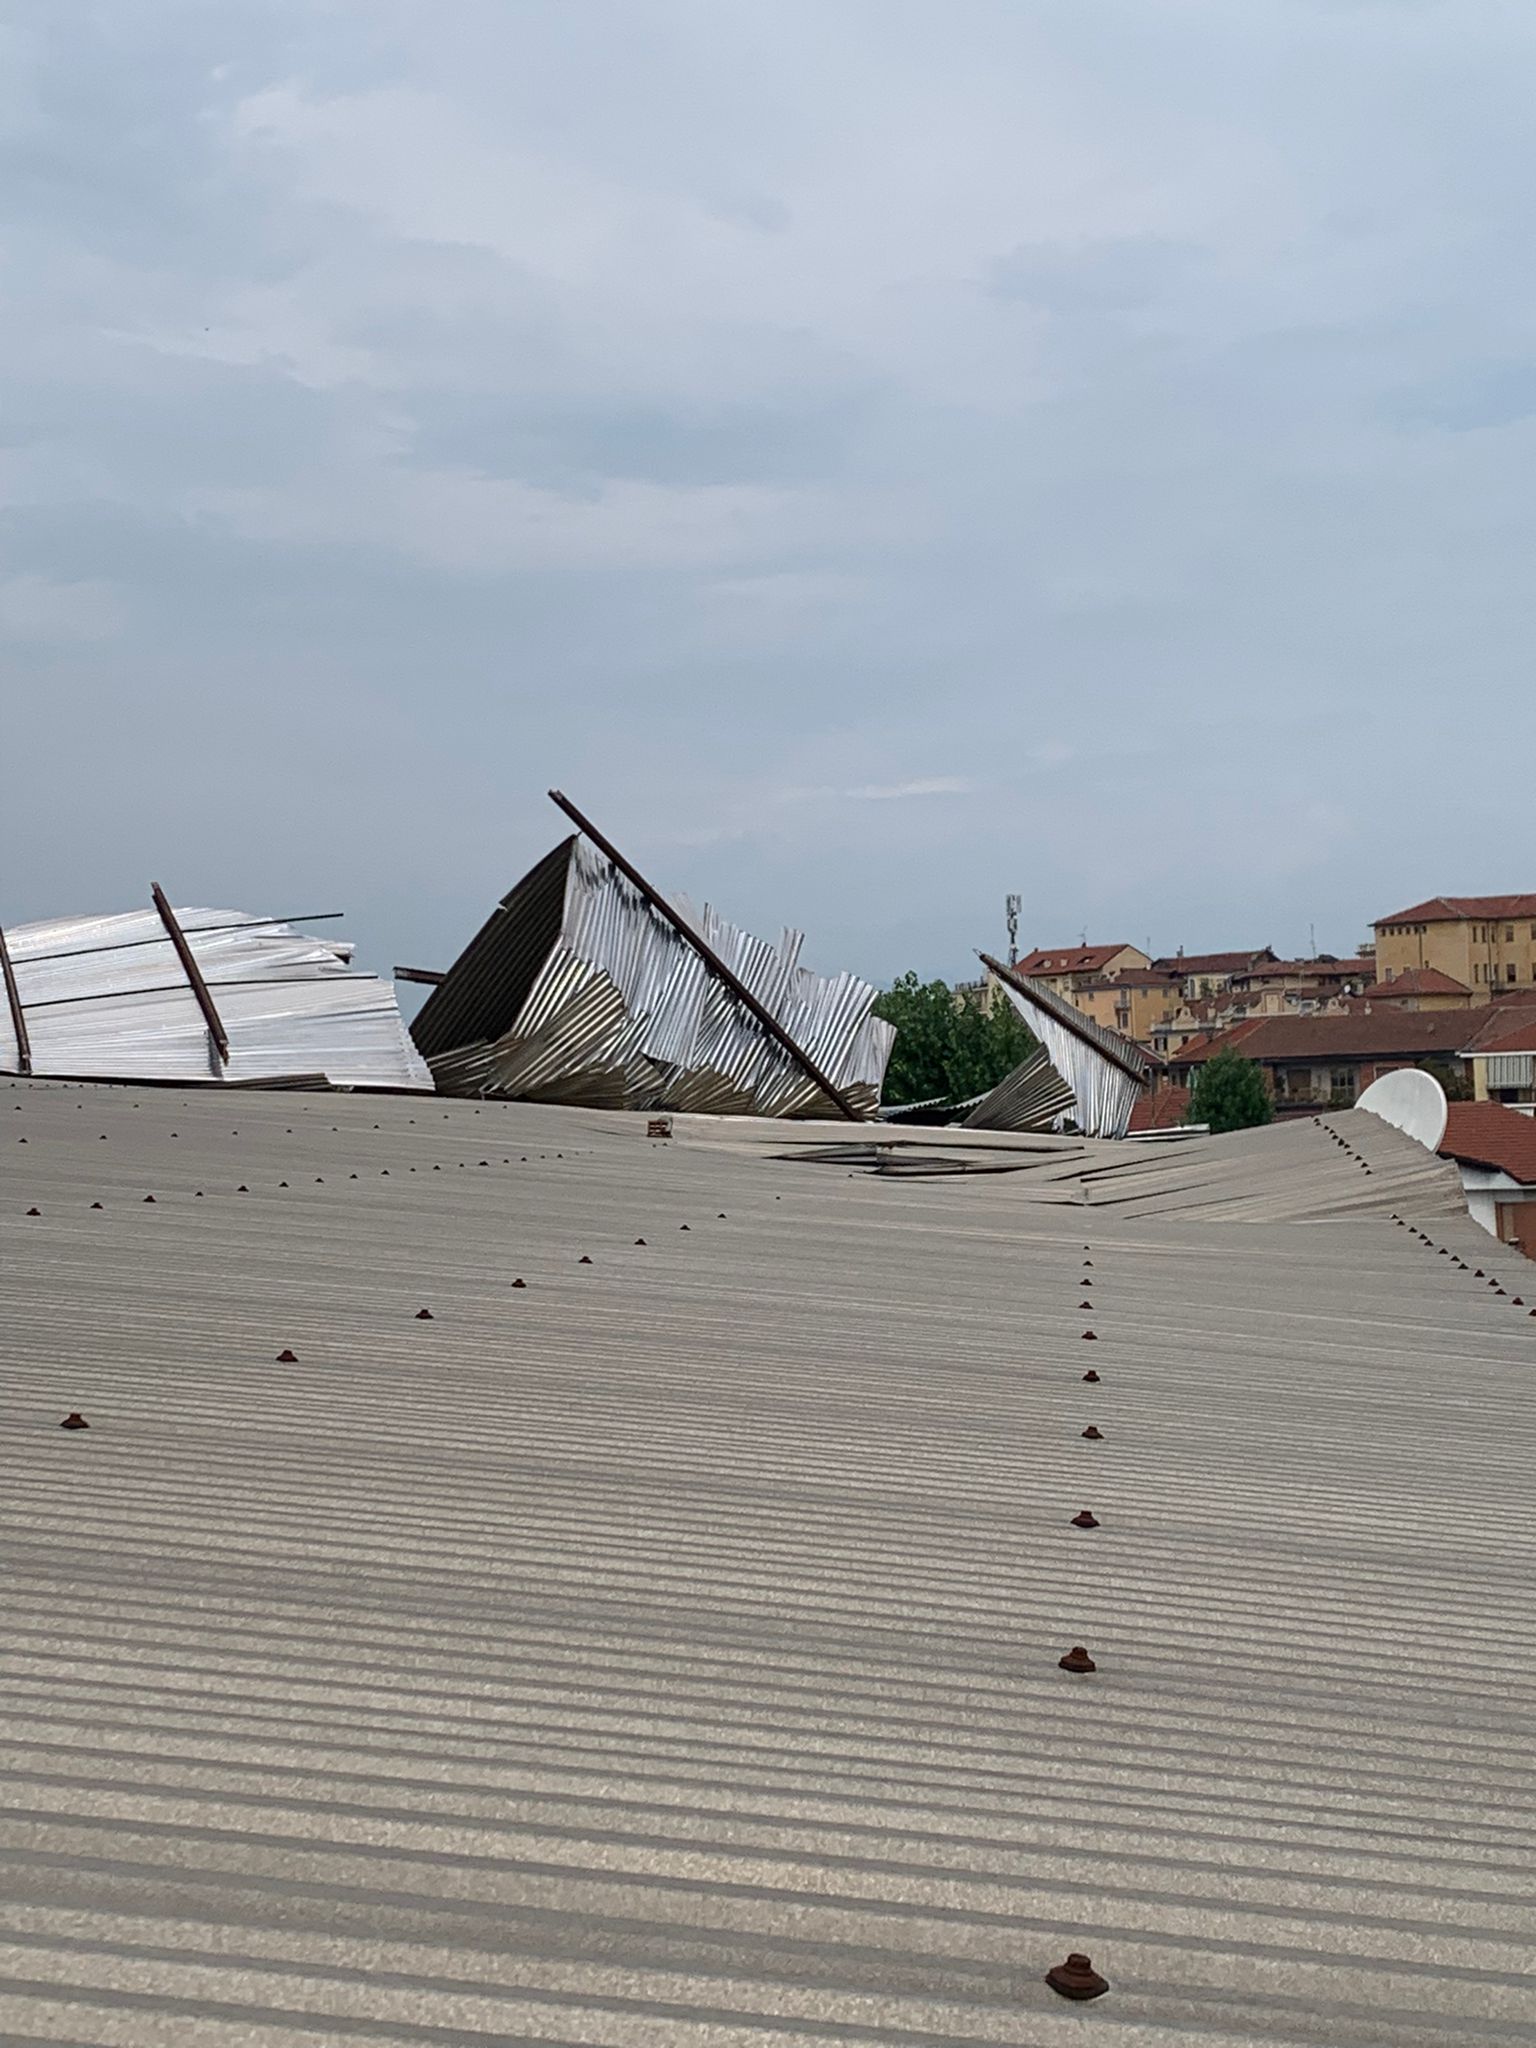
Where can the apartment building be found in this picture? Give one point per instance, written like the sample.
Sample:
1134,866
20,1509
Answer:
1487,943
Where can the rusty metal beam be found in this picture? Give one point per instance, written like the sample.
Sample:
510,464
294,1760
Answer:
13,998
711,959
193,973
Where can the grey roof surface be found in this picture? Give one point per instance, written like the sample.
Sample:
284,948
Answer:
666,1652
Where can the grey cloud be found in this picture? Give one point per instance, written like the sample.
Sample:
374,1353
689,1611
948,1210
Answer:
409,409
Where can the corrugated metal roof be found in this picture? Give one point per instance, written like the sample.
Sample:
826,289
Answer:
578,990
666,1652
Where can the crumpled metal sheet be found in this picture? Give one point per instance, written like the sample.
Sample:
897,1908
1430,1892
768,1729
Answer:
106,998
621,1012
1106,1073
1034,1097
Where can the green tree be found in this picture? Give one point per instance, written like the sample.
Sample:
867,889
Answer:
1230,1093
948,1045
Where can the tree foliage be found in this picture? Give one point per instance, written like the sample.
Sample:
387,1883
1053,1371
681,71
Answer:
1230,1093
948,1045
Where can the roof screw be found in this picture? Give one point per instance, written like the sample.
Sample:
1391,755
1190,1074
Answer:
639,1240
1089,1337
74,1420
287,1358
1085,1520
1479,1274
583,1260
198,1195
1085,1304
1087,1282
1093,1376
242,1189
34,1212
95,1205
1076,1659
1093,1433
283,1183
683,1226
424,1315
519,1283
1516,1302
1077,1978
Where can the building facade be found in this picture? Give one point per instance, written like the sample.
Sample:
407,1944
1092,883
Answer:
1065,970
1487,943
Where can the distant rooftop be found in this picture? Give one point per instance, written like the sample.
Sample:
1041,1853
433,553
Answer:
1453,909
1488,1134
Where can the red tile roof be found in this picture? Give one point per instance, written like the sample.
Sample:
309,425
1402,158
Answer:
1502,1027
1315,970
1452,909
1387,1032
1160,1109
1136,977
1419,981
1184,964
1488,1134
1068,959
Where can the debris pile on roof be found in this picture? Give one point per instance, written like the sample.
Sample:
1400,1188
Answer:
114,998
585,987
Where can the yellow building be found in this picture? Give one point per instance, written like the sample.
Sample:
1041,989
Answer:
1135,1003
1487,943
1066,969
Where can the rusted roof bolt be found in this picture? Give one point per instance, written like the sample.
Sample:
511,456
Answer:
1077,1978
1093,1433
287,1358
424,1315
583,1260
1089,1337
519,1283
74,1420
1092,1376
1076,1659
1085,1520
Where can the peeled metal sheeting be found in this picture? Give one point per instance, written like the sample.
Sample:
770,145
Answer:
578,991
1105,1073
107,998
1032,1098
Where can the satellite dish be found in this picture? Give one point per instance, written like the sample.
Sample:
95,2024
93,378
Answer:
1411,1100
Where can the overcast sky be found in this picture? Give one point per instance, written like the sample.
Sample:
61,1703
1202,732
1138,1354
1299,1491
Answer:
874,456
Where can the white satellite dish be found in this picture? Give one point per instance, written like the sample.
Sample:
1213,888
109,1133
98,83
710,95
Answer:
1413,1101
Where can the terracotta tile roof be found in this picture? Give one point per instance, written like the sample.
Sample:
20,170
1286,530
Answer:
1160,1109
1452,909
1383,1032
1488,1134
1213,963
1419,981
1505,1032
1135,977
1068,959
1314,970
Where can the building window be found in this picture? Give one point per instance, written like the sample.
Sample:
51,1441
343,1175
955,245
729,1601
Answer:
1509,933
1509,972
